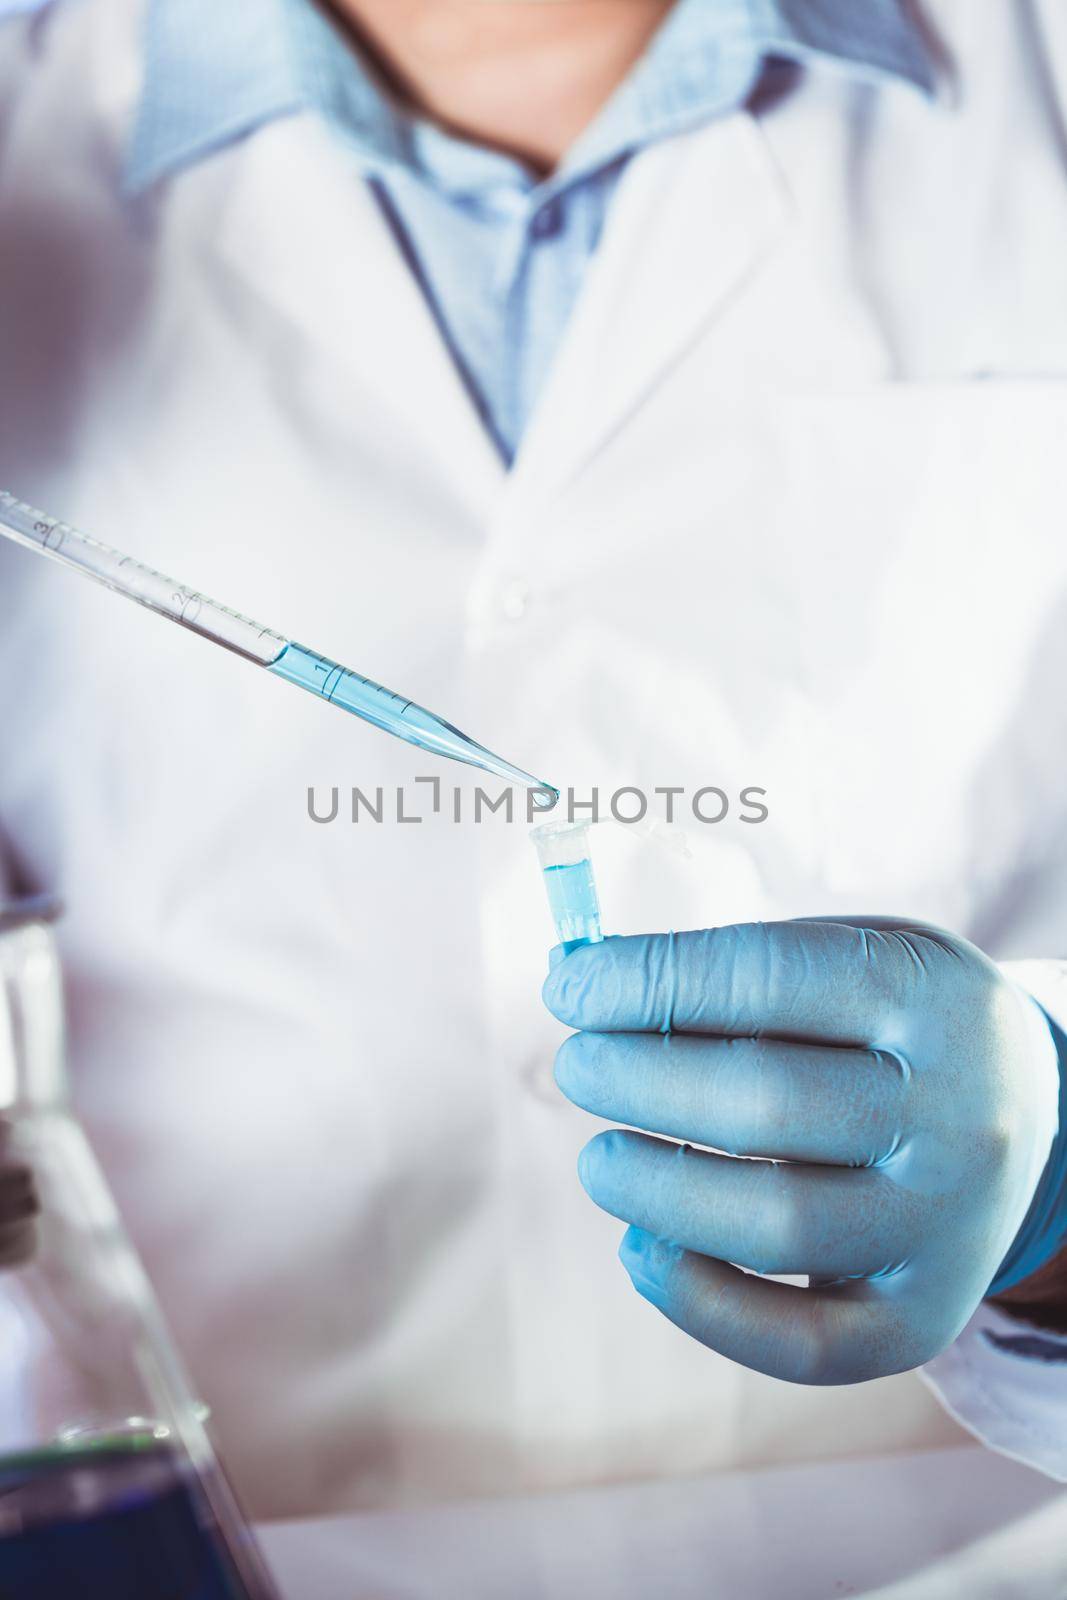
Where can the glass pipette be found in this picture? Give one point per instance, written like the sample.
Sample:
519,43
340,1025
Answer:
264,648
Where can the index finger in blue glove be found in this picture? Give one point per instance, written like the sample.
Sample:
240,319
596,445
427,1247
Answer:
807,980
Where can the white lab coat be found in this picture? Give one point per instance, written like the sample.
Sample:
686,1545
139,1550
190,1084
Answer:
789,515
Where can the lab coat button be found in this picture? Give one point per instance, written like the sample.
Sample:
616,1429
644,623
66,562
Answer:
515,600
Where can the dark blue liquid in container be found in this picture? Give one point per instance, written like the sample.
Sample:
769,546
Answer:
116,1522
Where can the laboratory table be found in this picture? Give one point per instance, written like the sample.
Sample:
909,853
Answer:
939,1525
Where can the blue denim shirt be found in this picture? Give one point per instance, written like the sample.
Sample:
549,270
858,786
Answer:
500,254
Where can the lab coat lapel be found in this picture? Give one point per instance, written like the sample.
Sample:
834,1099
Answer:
693,220
305,233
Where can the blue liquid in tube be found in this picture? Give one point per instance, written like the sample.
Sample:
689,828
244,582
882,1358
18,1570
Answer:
122,1523
574,904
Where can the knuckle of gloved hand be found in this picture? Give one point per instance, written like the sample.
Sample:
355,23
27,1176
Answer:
975,1137
772,967
802,1349
922,971
992,1148
745,1087
887,1340
820,1352
909,1339
696,1302
791,1228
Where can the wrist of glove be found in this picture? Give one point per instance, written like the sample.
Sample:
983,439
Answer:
1043,1233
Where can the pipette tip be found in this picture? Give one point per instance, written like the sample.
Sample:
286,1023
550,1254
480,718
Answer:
545,796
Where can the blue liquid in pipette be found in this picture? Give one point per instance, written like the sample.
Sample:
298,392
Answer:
573,901
114,1524
395,715
343,688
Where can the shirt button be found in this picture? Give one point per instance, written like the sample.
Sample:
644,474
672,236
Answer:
547,220
515,600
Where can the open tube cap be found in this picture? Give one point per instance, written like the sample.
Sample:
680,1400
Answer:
561,844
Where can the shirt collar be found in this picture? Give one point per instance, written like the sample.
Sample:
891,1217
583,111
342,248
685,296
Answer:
706,59
213,73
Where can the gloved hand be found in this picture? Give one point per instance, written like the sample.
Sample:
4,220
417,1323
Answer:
900,1096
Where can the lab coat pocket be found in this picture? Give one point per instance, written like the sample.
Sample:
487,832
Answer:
927,558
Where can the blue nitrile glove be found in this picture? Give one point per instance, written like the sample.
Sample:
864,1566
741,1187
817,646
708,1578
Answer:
904,1091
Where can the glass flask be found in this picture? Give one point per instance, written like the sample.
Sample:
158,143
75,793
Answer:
109,1486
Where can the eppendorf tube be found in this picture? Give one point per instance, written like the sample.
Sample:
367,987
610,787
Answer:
563,851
